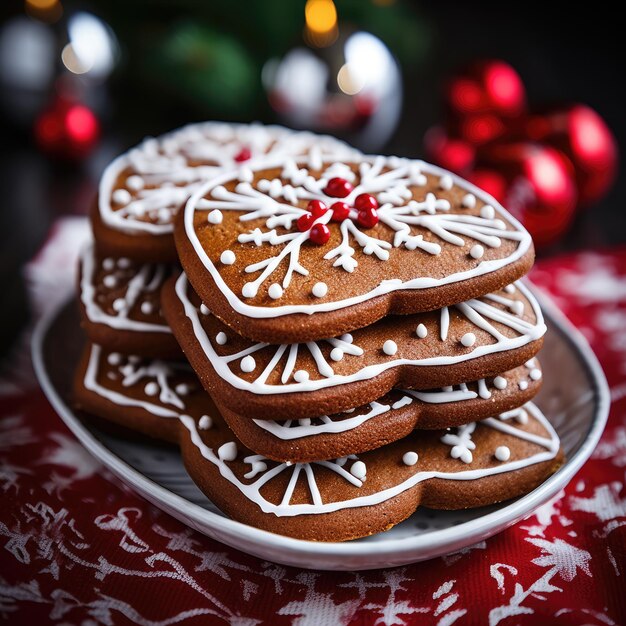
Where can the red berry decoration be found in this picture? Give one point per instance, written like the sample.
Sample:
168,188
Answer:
338,188
319,234
317,208
341,211
244,154
304,222
368,218
365,201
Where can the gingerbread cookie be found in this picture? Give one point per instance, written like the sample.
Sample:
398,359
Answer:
474,465
142,190
120,305
295,250
470,340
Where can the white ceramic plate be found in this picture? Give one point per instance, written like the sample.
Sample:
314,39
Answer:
574,397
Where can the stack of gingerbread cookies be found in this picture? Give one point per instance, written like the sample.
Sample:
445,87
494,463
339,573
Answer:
356,340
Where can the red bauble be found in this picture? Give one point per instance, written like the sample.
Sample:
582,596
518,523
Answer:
368,218
452,154
338,188
67,130
540,190
319,234
317,208
583,136
245,154
304,222
365,201
340,211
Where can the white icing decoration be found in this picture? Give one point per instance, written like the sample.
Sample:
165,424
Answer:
301,376
390,347
248,364
502,453
535,374
468,340
278,203
523,385
123,263
115,358
478,312
205,422
182,389
147,280
477,252
510,289
410,458
221,338
421,331
446,182
336,354
228,257
359,470
487,212
204,309
461,442
215,217
121,196
319,290
468,201
500,383
109,281
275,291
146,308
347,338
227,451
444,323
151,389
135,183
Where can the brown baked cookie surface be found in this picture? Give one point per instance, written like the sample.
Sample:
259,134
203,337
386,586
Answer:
387,419
142,190
474,465
302,249
475,339
120,305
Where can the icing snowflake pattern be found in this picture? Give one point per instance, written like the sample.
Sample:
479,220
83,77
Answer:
289,206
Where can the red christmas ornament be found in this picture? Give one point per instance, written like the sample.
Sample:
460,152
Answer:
368,218
452,154
317,208
338,188
365,201
583,136
490,181
67,130
540,190
340,211
319,234
245,154
304,222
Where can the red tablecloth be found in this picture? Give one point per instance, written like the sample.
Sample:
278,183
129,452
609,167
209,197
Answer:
79,548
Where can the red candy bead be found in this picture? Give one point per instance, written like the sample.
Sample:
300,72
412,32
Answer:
317,208
365,201
338,188
304,222
319,234
368,218
243,155
340,210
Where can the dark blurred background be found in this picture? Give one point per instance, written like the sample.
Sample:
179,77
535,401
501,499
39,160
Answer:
525,99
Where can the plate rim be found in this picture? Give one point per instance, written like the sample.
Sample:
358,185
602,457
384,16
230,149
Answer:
292,551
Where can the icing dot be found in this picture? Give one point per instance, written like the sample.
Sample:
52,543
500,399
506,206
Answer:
305,421
301,376
146,308
522,417
523,385
319,290
204,309
462,453
446,182
108,264
221,338
135,183
123,263
410,458
468,340
228,257
503,453
205,422
115,358
336,354
163,215
469,201
109,281
477,252
248,364
347,338
275,291
215,217
390,347
421,331
227,451
530,363
119,304
341,461
121,196
500,382
359,470
510,289
151,389
182,389
249,290
535,374
488,212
